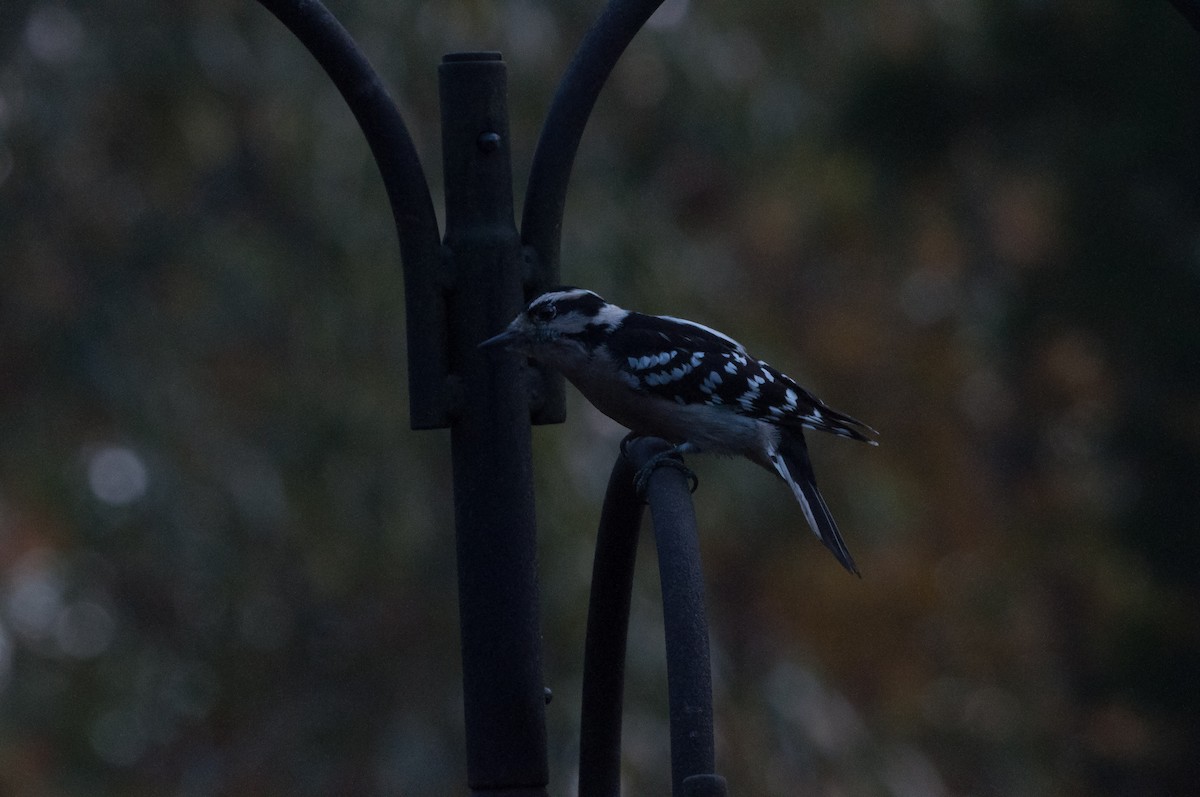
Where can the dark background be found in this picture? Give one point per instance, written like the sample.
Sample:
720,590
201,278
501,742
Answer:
226,564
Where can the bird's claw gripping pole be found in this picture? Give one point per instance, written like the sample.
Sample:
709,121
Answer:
671,457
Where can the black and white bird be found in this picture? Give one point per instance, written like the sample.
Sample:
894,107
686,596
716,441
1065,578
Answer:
687,384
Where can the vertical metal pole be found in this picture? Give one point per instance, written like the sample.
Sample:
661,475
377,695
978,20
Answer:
490,441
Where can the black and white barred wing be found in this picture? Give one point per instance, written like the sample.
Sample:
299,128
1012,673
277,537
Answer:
689,363
676,359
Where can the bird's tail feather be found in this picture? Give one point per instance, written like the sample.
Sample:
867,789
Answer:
827,419
792,463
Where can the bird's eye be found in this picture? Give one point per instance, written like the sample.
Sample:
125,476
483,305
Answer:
543,312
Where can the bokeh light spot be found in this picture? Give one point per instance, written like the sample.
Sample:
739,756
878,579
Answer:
119,737
84,630
669,15
5,657
117,476
35,594
53,34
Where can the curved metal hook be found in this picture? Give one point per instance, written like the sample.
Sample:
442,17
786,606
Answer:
407,190
545,197
689,678
550,172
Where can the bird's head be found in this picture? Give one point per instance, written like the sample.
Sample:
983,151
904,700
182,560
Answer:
559,325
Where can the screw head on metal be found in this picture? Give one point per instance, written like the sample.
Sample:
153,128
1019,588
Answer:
488,141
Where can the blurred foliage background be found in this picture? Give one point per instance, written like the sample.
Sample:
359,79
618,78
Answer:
226,564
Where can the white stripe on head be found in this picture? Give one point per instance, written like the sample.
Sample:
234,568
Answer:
577,309
610,315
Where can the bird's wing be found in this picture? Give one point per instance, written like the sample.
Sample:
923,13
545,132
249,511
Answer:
690,363
675,359
783,400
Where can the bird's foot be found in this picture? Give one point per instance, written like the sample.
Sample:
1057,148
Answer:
671,457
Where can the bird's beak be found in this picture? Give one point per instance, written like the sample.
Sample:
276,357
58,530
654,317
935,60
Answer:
503,339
